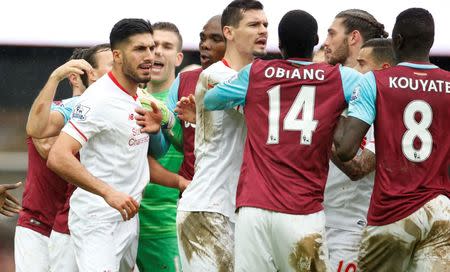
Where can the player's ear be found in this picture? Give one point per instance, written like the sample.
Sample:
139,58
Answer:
355,37
117,56
398,41
316,39
179,59
92,76
228,32
385,65
74,80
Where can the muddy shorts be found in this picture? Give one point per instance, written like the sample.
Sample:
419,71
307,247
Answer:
419,242
272,241
205,241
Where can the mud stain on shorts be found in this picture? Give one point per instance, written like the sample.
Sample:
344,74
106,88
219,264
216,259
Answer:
202,234
306,254
387,252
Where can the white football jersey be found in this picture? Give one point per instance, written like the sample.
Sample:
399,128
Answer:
346,202
219,145
113,148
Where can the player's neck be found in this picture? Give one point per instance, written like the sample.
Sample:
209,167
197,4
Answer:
77,92
423,59
350,62
129,85
352,56
237,60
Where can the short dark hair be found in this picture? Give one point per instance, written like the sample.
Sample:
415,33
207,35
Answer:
126,28
295,41
233,13
78,53
364,22
90,57
382,50
167,26
416,26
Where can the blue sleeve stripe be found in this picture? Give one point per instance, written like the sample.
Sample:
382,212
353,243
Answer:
172,98
230,93
363,102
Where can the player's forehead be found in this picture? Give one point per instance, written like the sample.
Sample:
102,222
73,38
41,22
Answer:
142,39
253,16
104,56
337,26
212,27
162,36
365,54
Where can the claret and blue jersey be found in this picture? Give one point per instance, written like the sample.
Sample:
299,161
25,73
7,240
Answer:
409,105
291,109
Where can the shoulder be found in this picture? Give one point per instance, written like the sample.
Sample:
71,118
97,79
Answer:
189,74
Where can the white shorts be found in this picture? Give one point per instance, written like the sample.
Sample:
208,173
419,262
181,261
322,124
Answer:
61,252
419,242
30,251
343,246
104,246
273,241
205,241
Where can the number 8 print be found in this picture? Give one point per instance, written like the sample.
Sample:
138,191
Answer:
417,129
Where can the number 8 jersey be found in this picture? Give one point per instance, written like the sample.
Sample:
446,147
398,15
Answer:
291,109
410,105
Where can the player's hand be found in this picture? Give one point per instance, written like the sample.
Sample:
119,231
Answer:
75,66
186,109
182,183
9,205
149,120
125,204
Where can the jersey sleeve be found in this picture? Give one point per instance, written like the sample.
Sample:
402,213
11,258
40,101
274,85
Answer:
172,98
65,112
362,103
65,108
350,79
88,119
159,145
230,93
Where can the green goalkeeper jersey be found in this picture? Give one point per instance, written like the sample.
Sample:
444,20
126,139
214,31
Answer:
157,213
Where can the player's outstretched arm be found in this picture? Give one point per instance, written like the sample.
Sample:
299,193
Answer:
42,122
62,161
162,176
186,109
9,205
349,139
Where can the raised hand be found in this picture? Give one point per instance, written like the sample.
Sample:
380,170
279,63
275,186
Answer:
125,204
9,205
186,109
149,120
75,66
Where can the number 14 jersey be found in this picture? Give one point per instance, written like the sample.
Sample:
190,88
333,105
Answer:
291,109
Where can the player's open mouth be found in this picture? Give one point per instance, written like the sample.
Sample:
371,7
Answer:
261,41
157,66
145,66
204,58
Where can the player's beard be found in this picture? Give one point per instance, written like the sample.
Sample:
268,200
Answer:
132,74
339,55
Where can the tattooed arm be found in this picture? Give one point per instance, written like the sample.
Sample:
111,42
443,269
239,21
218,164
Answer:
358,167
